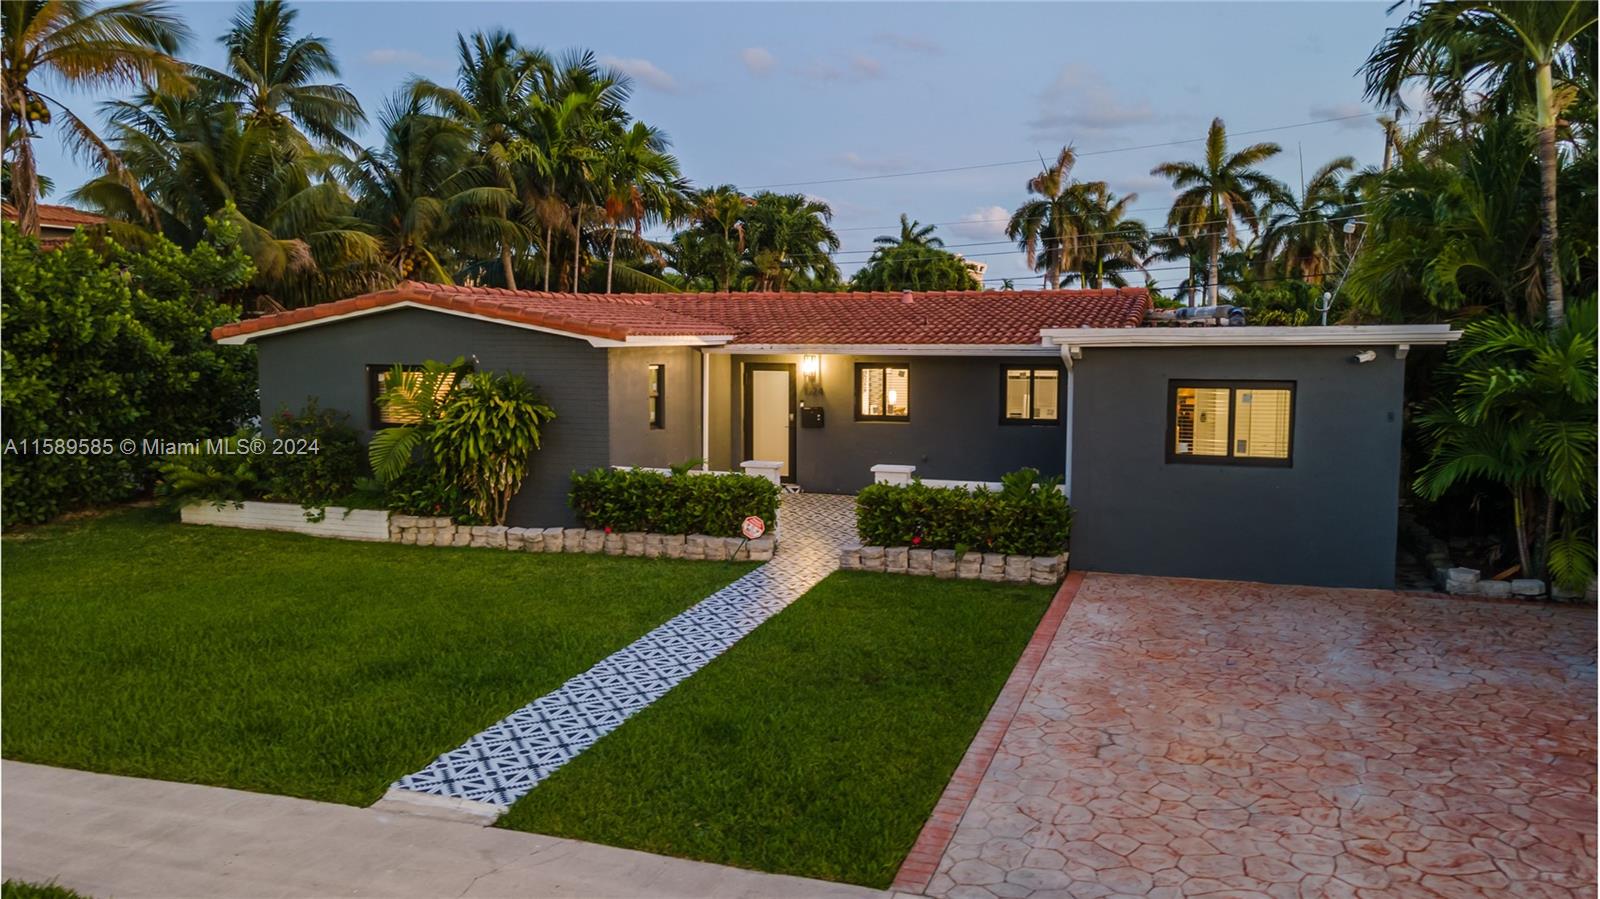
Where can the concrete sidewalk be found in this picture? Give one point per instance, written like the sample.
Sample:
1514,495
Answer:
108,836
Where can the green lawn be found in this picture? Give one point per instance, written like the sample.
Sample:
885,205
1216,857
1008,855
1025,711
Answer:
291,664
16,889
818,745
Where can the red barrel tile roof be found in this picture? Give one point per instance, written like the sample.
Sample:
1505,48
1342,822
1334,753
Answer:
58,216
1000,318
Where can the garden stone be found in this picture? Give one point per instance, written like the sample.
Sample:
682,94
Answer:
1494,589
1527,586
994,567
495,536
896,559
514,537
762,548
738,548
594,541
403,521
920,561
871,558
694,547
409,536
653,546
533,540
1045,570
714,548
944,564
572,540
463,537
673,545
633,543
1017,569
969,566
1461,580
554,539
424,537
850,557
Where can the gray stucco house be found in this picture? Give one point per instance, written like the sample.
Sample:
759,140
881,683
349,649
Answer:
1268,454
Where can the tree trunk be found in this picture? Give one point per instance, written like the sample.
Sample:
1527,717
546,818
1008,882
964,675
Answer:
25,184
1555,303
1211,278
1388,144
611,259
505,264
577,248
548,236
1519,520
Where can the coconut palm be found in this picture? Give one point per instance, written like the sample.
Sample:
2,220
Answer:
1513,49
790,239
269,73
1219,193
1108,244
1046,226
912,234
1302,236
82,46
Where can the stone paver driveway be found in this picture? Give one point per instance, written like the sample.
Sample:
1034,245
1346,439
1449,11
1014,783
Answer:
1208,738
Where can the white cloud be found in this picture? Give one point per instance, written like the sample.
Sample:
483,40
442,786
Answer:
394,56
877,166
1080,101
986,223
643,71
759,60
910,43
1344,111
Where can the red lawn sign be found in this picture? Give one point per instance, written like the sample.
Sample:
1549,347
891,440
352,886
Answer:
753,527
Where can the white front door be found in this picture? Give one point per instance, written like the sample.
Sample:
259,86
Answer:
770,416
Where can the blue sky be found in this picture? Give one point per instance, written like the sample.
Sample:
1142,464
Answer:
776,94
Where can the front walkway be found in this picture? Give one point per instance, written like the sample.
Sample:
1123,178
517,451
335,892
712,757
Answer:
1195,737
108,836
501,764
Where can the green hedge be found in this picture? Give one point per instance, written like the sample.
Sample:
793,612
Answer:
633,499
1028,515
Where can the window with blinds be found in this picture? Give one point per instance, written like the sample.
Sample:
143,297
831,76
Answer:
1245,422
379,378
883,393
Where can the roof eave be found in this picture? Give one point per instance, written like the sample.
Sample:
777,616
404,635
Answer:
1250,335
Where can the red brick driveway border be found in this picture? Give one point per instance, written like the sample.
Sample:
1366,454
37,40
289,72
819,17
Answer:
923,860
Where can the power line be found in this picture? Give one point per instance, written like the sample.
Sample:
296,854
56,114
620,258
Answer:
1035,160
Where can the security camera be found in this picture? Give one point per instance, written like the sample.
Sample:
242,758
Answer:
1364,356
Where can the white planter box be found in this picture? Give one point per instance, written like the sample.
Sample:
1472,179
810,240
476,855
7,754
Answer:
345,524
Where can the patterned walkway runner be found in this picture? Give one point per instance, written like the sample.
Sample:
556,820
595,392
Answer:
500,765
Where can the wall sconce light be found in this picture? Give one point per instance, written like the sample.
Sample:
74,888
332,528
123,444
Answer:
810,368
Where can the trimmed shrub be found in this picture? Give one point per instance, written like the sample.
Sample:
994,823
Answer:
632,499
1029,516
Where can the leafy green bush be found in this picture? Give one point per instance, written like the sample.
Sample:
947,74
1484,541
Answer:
1029,515
633,499
318,458
113,344
212,474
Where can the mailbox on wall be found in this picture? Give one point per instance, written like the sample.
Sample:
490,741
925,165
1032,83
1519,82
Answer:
810,416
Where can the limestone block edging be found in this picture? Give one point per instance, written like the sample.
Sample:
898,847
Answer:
947,564
416,530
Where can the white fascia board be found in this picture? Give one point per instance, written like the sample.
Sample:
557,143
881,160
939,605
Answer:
1247,335
887,349
602,342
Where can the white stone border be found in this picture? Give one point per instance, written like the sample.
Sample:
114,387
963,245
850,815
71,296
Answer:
337,521
946,564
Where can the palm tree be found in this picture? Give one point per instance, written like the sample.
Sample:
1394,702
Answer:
80,46
1510,48
1302,235
1218,193
1108,243
790,238
269,73
713,245
912,234
642,184
1045,227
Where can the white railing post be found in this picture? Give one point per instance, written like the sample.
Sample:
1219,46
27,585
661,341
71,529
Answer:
769,470
892,474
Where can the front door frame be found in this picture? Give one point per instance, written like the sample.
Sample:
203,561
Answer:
749,419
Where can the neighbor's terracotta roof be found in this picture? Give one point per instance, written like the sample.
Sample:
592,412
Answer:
1000,318
58,216
612,317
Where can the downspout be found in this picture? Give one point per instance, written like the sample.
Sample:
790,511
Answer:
1069,355
705,411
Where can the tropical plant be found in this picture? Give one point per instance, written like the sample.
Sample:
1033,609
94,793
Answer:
485,438
641,184
711,249
912,266
1517,410
1108,245
912,234
85,47
789,238
269,74
1046,227
1303,236
1218,193
1512,49
419,398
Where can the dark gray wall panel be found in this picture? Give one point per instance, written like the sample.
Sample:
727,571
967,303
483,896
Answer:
329,362
954,431
1328,520
633,441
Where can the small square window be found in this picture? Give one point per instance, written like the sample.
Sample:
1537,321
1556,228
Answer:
883,393
1244,422
658,394
1032,395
